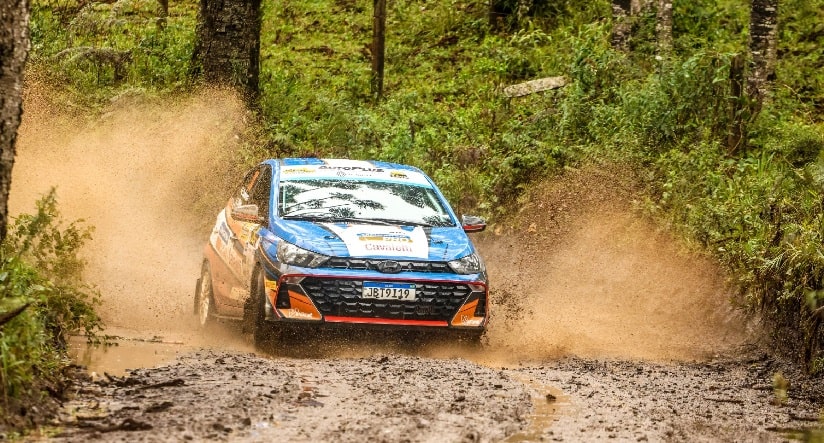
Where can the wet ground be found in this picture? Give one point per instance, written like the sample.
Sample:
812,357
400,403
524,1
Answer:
397,396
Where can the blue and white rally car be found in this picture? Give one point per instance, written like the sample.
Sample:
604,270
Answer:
325,242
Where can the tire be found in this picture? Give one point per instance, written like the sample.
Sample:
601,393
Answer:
204,298
196,298
263,332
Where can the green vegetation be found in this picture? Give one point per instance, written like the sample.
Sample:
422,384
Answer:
40,268
758,209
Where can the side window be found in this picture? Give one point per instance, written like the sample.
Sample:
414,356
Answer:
243,196
260,192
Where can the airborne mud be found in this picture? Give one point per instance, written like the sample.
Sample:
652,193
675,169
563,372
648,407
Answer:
580,272
604,325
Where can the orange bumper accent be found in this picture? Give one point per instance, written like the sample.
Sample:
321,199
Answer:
466,316
301,308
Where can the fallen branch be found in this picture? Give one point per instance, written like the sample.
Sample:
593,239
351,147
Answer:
533,86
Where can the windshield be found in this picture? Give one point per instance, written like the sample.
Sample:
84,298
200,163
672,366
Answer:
361,201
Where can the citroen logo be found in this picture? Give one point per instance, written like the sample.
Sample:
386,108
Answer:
389,267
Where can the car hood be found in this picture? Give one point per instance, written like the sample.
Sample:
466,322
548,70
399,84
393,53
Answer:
380,241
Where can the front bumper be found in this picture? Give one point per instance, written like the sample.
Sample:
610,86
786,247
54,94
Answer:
442,300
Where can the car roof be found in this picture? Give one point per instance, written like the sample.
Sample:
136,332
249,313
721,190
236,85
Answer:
312,161
367,169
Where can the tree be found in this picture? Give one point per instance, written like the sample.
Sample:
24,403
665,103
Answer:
763,42
14,49
621,24
746,101
227,47
378,47
663,27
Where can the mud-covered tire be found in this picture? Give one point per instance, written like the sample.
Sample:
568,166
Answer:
196,298
263,332
204,298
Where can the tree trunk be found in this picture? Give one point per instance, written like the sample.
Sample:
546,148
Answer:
621,24
14,49
378,47
763,41
164,13
737,118
663,27
227,49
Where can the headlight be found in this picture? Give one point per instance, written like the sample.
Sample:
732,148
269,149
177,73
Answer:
471,264
295,256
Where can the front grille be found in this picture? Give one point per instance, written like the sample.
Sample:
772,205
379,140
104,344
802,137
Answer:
338,297
362,264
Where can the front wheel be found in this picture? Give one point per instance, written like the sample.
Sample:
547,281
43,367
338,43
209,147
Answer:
204,298
263,332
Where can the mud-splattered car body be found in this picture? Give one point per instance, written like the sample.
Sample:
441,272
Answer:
342,242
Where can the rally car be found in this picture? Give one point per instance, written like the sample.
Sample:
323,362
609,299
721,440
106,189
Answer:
328,242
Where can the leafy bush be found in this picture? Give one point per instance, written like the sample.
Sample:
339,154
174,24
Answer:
40,267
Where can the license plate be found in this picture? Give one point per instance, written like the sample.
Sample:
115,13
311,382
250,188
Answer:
389,291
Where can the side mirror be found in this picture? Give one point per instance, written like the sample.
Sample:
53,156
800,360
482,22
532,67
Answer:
247,213
473,223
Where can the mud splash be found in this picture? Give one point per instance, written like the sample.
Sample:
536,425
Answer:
140,174
581,273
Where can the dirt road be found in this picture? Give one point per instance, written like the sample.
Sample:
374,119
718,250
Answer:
604,326
214,395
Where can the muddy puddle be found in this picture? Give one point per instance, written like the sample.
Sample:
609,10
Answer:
126,349
119,356
548,405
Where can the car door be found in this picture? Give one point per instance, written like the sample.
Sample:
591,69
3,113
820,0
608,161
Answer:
238,236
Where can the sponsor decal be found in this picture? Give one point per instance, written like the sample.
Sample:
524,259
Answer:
352,168
349,169
294,313
352,171
299,170
223,232
471,321
383,241
387,237
249,232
